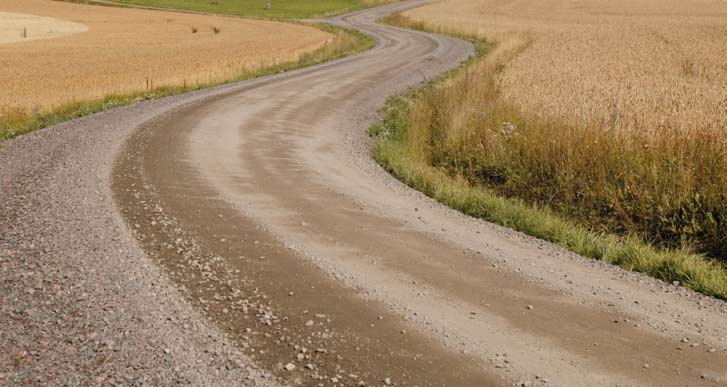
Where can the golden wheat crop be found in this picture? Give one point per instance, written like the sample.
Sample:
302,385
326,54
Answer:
643,64
128,50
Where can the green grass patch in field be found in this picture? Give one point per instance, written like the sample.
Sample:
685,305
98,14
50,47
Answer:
278,9
16,121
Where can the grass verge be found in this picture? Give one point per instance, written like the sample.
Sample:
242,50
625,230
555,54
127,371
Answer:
406,151
278,9
15,122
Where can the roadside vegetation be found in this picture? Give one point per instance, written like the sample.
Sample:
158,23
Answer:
647,202
216,54
275,9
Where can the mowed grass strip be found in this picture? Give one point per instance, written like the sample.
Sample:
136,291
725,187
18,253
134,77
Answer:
432,140
275,9
54,95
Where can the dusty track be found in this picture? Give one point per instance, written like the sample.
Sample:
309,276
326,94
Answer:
259,201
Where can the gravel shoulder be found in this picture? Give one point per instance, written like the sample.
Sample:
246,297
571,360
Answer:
80,302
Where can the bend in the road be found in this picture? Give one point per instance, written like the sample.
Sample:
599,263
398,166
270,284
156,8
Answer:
276,220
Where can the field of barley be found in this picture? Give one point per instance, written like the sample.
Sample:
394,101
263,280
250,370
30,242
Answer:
117,51
642,64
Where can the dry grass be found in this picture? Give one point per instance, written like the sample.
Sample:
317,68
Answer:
638,64
127,50
394,151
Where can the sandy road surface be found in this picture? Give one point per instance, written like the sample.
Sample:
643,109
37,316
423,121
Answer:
258,204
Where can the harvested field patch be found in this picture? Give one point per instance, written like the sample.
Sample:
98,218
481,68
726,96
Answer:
129,50
18,27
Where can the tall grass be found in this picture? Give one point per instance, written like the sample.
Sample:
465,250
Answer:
597,191
17,120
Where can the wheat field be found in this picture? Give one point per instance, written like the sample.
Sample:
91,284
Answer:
596,125
644,64
129,50
611,114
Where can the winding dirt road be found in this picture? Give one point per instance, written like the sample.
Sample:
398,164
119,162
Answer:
258,204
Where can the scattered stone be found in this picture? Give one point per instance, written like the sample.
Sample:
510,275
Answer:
387,381
530,307
290,367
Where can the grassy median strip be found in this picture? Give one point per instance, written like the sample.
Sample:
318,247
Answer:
410,144
17,121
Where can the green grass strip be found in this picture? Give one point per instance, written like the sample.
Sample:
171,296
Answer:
278,9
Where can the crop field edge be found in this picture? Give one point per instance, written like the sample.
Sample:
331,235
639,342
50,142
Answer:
691,270
14,123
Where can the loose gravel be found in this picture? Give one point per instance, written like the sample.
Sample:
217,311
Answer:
80,304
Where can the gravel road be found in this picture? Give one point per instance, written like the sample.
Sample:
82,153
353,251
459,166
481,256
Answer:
242,235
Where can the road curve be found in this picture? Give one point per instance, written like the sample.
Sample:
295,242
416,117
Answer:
187,238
